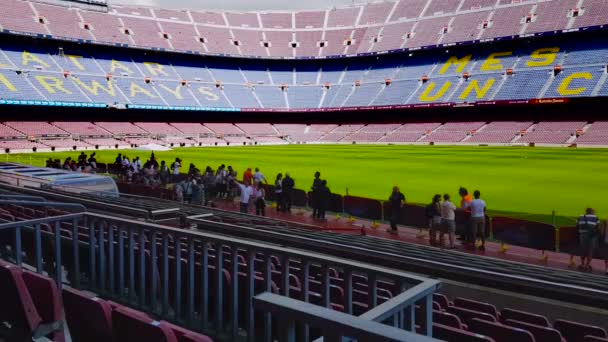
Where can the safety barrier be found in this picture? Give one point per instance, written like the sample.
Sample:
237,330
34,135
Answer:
531,234
207,281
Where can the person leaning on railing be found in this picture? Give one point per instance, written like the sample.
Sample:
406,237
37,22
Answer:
588,229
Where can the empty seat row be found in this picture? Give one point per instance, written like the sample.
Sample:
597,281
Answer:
505,325
92,319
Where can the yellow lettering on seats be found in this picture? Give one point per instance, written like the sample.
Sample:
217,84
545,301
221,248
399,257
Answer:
493,63
543,57
52,84
426,95
74,59
117,65
209,94
564,87
96,86
135,89
480,93
156,68
7,83
460,62
27,57
176,92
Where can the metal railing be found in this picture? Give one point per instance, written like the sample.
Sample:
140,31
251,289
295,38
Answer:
207,281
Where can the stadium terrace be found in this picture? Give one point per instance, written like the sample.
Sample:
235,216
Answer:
537,71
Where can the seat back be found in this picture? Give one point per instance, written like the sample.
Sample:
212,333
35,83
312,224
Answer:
477,306
46,298
446,333
447,319
129,327
540,333
523,316
575,332
185,335
595,339
467,315
17,307
500,332
442,300
89,318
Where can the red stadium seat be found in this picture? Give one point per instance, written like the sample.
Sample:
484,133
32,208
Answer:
540,333
467,315
185,335
47,300
500,332
17,311
447,319
129,327
89,318
576,332
477,306
442,300
595,339
446,333
523,316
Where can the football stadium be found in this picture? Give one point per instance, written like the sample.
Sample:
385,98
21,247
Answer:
398,170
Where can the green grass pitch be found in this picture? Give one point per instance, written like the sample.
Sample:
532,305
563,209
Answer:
516,181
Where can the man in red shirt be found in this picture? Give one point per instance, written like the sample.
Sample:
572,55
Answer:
248,176
465,203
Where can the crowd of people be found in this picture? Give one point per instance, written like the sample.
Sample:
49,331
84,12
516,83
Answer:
202,187
83,163
441,216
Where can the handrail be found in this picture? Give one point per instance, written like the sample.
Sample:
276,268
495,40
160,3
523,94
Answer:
77,206
71,198
266,247
410,258
32,222
334,323
23,197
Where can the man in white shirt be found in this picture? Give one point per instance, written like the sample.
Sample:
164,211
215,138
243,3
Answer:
448,220
246,192
175,166
478,218
258,176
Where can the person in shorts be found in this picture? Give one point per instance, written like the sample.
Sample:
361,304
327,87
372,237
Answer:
448,221
588,229
433,214
478,219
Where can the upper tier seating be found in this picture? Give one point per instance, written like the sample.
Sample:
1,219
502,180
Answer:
437,21
384,80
